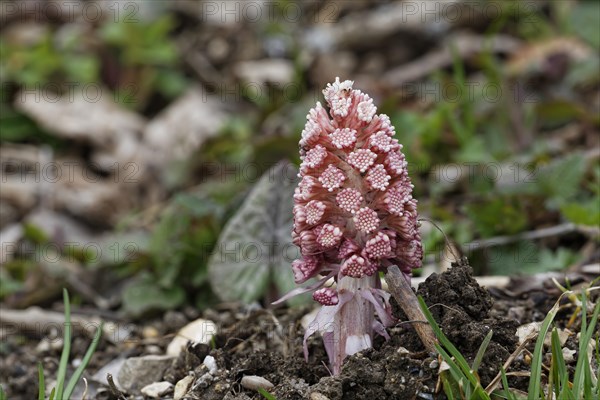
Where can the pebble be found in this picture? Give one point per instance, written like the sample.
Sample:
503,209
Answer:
46,345
157,389
182,387
568,354
138,372
318,396
211,364
150,332
426,396
199,331
434,364
153,349
254,382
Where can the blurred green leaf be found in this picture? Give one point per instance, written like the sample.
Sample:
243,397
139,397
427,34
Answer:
190,225
171,83
585,20
255,248
8,284
145,295
516,259
584,73
586,213
561,179
559,259
475,150
559,112
35,234
82,69
497,216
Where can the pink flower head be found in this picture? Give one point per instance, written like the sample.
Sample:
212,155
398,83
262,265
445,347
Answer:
354,215
354,211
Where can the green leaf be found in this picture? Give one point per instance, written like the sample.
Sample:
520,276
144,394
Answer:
458,364
559,368
35,234
145,295
266,394
559,112
481,352
585,19
84,362
41,383
82,69
586,334
583,213
171,83
535,379
561,180
509,394
64,357
255,247
500,215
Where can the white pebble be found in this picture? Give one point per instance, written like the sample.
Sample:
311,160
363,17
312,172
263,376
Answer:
211,364
157,389
254,382
182,387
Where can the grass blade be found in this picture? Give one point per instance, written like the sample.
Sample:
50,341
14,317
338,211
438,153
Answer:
584,339
64,357
42,384
559,368
509,394
481,351
534,389
459,361
266,394
448,385
86,360
2,394
587,380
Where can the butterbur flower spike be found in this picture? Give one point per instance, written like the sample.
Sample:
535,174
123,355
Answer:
354,215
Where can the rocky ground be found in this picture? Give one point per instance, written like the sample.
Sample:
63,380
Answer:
262,348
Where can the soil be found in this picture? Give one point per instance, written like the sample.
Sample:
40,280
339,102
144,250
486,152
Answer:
268,343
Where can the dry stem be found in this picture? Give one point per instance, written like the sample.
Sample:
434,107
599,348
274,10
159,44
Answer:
406,298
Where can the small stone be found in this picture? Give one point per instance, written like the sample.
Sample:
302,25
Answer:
211,364
150,332
157,389
568,354
199,331
137,372
318,396
434,364
182,387
254,382
46,345
153,349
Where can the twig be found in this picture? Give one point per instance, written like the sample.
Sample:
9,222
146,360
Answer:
402,292
38,321
557,230
113,388
490,388
465,44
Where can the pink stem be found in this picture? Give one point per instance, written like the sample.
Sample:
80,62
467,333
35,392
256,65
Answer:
353,323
